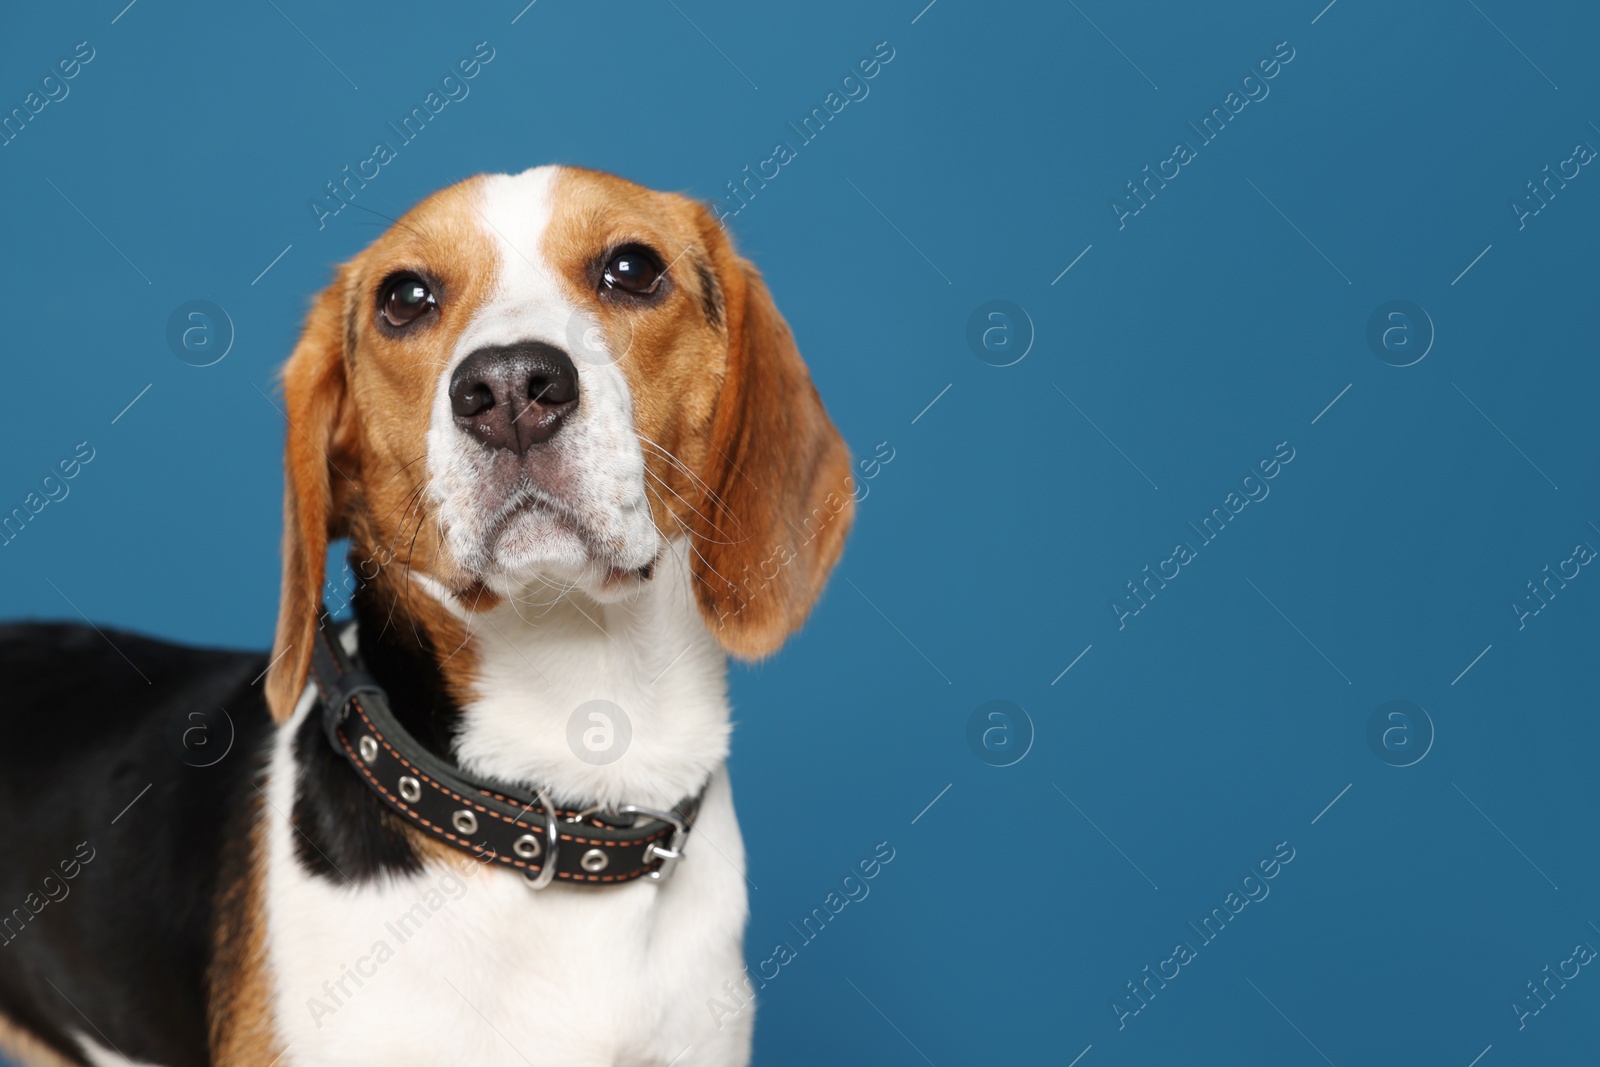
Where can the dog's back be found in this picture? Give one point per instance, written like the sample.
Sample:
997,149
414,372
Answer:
124,766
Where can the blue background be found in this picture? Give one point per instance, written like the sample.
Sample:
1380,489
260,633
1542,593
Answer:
1180,749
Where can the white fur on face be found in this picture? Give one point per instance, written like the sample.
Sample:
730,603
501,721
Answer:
591,517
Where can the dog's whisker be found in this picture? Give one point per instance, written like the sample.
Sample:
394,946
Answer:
712,495
709,521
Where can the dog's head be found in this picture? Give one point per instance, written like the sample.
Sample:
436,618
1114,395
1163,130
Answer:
545,378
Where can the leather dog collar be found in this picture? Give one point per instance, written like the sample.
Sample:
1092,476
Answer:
489,820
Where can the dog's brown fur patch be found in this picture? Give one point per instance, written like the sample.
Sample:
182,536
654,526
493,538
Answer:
739,450
354,461
238,984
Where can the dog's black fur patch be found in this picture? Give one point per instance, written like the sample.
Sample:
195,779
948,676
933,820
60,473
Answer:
128,944
346,833
710,294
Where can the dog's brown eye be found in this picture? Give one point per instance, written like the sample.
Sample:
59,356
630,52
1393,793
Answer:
633,270
407,299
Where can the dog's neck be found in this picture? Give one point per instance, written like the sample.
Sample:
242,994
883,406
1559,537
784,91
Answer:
599,703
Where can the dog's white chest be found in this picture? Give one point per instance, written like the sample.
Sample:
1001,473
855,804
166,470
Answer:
465,964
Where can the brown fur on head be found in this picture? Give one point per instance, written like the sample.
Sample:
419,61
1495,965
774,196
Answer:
739,455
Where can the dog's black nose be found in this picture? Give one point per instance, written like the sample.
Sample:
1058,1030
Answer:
514,396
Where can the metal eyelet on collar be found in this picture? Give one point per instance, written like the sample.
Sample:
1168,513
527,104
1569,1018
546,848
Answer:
528,847
464,821
595,860
410,789
368,746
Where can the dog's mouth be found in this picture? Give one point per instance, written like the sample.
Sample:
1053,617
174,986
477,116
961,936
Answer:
534,522
531,505
619,583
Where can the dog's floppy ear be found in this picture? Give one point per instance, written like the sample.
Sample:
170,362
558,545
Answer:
780,495
318,466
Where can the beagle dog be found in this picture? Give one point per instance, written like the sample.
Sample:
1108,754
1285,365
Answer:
579,461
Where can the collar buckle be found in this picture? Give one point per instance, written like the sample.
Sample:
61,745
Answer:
673,852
